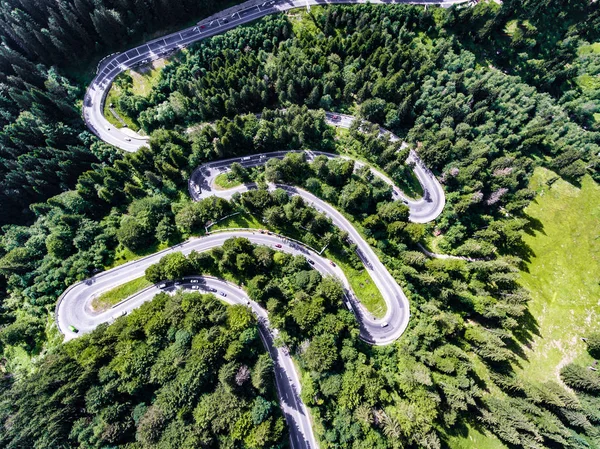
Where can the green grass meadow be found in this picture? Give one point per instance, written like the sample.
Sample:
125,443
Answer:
111,297
562,275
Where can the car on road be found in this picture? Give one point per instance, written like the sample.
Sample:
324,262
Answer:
194,281
225,21
278,245
332,263
128,139
269,232
335,117
384,324
310,261
202,27
162,286
209,289
223,294
194,287
73,329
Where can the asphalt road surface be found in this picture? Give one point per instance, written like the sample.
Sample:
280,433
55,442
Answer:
422,210
74,309
113,65
74,306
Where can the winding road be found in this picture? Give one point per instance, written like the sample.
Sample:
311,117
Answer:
74,306
112,66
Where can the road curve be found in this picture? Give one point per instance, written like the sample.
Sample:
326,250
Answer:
74,308
422,210
112,66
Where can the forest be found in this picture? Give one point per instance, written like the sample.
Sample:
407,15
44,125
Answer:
484,94
182,371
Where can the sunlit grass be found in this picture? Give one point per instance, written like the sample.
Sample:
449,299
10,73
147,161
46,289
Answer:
562,275
111,297
223,182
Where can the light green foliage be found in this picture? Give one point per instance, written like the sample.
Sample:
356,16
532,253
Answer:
118,294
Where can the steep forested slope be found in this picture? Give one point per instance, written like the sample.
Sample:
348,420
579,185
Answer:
484,94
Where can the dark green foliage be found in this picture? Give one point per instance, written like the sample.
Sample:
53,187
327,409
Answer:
593,344
151,378
581,378
426,75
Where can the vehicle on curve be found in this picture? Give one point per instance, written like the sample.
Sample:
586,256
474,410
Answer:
73,329
310,261
332,263
223,294
278,245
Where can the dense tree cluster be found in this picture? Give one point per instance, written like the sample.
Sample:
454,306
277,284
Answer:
64,33
435,77
183,371
44,145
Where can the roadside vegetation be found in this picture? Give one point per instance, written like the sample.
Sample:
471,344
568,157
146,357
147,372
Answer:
226,181
485,94
114,296
181,371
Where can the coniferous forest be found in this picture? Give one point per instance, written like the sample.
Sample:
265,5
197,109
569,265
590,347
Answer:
484,93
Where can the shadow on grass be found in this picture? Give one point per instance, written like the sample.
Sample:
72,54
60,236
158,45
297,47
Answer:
528,328
533,224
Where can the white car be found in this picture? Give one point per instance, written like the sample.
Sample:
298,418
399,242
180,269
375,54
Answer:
384,324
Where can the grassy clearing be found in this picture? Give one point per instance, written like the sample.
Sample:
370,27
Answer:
562,274
223,182
242,220
474,439
116,90
143,79
111,297
363,286
588,82
302,21
146,77
124,255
